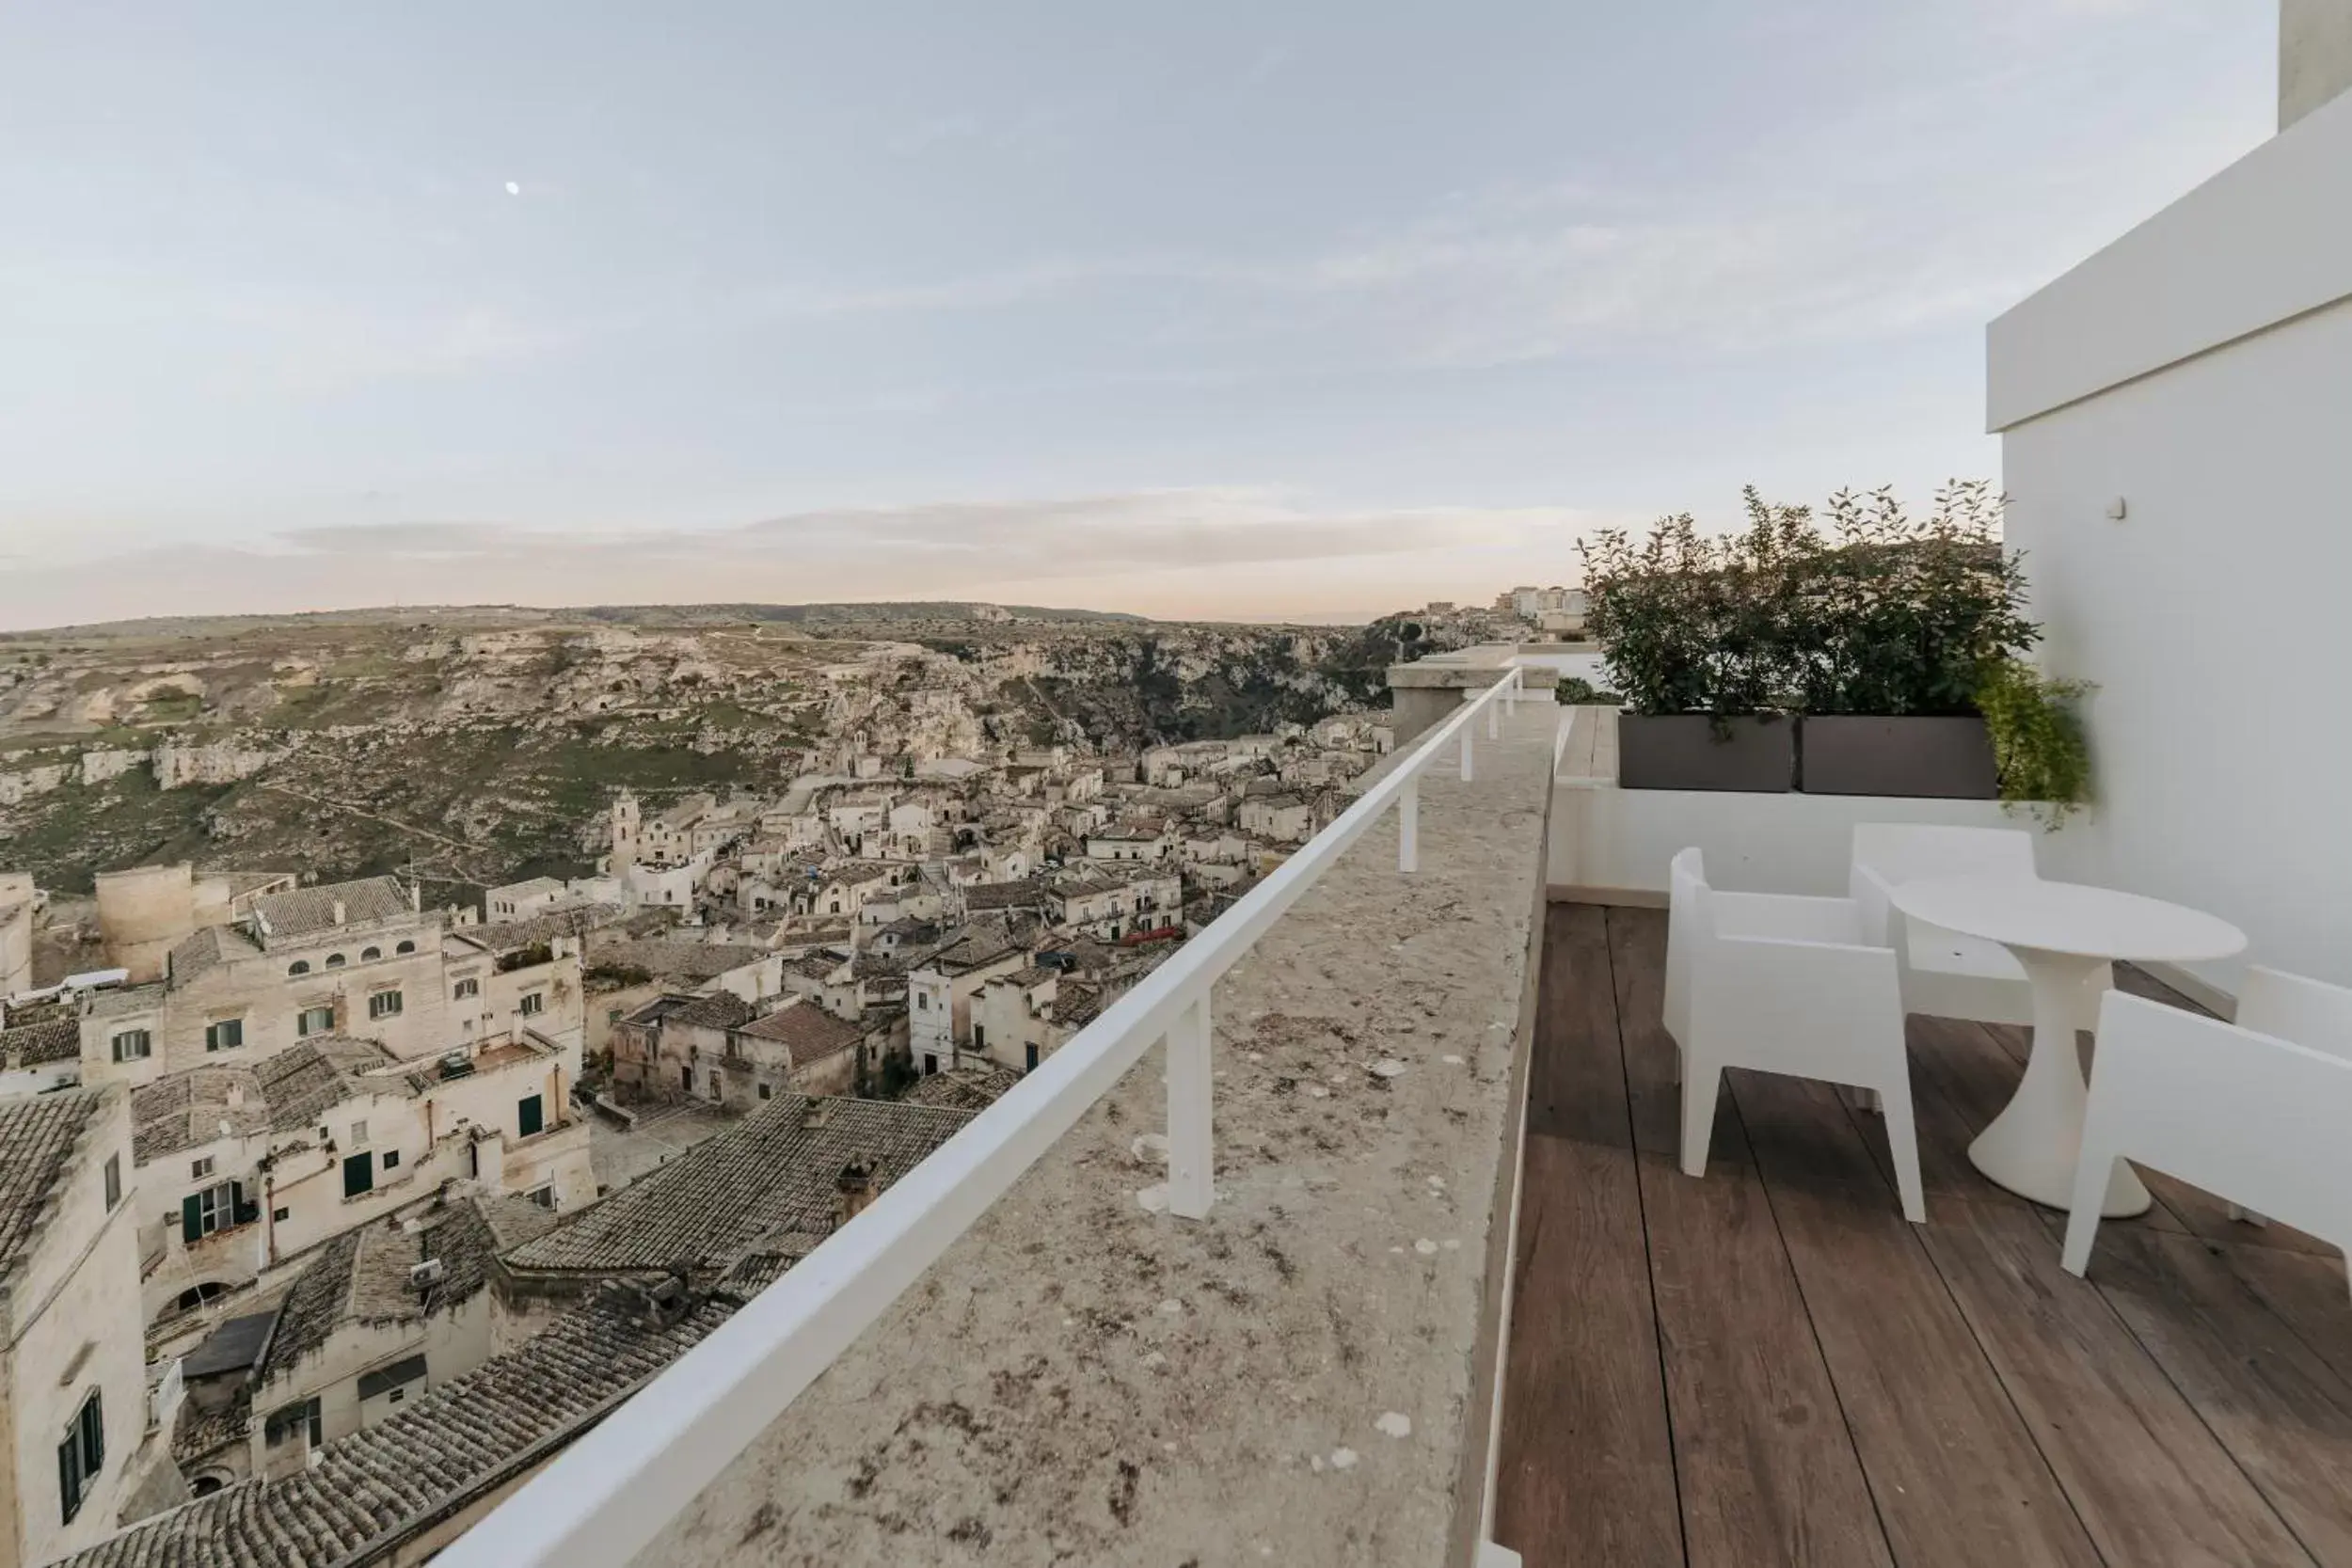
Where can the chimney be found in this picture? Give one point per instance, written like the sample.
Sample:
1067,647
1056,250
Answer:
853,1190
816,1112
236,1097
340,911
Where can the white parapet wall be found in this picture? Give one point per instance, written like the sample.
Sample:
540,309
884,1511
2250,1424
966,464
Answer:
1612,845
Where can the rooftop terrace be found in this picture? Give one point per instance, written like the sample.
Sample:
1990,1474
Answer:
1771,1366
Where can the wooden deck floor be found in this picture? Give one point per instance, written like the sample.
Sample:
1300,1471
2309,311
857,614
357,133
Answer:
1770,1366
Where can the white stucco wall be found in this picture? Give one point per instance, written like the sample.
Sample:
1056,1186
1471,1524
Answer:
2200,370
2315,56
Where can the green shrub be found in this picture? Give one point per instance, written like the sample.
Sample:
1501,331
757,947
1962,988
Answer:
2038,738
1882,614
1575,691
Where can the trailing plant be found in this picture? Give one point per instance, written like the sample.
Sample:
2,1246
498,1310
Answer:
1575,691
2038,738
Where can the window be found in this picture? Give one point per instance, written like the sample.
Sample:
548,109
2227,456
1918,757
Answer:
533,1004
227,1035
81,1455
358,1134
314,1021
530,1115
214,1209
543,1196
763,1091
291,1420
383,1004
930,1063
391,1379
358,1173
369,955
134,1045
922,1001
392,1159
979,1038
1030,1051
199,1169
336,961
466,988
613,1015
114,1180
300,966
404,947
281,1216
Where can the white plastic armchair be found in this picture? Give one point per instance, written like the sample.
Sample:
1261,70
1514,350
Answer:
1944,974
2241,1109
1783,985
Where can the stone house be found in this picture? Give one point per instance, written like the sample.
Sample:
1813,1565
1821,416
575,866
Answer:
941,987
1285,818
799,1049
239,1167
358,958
74,1398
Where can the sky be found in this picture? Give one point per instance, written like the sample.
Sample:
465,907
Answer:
1229,311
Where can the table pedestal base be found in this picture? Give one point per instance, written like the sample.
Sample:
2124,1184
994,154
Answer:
2032,1146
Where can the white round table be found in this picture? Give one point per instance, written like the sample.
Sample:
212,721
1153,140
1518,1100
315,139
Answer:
2060,933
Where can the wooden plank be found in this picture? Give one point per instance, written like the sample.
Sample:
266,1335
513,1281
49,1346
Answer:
1766,1472
2279,1408
1575,1078
1956,1475
2146,1476
2308,1294
1586,1466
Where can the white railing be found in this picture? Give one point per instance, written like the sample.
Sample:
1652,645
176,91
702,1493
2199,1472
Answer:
605,1498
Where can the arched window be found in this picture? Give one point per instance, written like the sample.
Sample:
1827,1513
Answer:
369,955
404,947
300,966
334,961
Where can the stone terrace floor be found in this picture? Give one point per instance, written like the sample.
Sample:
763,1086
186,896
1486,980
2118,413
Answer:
1770,1366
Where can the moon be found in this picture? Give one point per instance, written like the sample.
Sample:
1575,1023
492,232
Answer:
514,189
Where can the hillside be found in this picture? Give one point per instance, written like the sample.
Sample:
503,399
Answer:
479,744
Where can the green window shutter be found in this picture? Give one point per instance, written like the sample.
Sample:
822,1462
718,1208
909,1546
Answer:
358,1175
93,1435
528,1115
70,1476
191,1219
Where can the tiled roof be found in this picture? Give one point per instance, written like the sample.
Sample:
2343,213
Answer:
307,1080
722,1010
185,1109
773,1175
38,1138
807,1032
463,1436
1027,893
674,960
208,948
311,910
312,1309
504,936
56,1039
1077,1004
968,1088
281,1093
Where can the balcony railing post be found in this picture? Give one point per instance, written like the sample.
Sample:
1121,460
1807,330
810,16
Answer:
1465,753
1191,1142
1408,826
1494,721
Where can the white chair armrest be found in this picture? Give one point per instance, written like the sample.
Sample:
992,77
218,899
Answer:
1780,915
1827,1010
